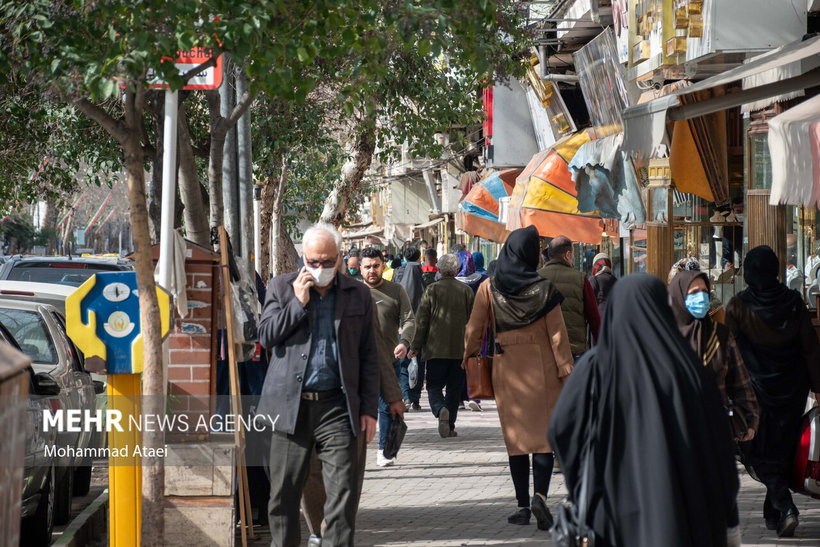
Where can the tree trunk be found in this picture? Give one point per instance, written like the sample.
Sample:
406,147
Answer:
196,219
153,472
283,253
265,230
49,225
215,161
360,151
156,105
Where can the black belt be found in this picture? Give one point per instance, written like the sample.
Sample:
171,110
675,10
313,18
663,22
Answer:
321,395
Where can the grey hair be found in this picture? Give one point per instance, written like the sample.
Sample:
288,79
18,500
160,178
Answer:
448,265
320,228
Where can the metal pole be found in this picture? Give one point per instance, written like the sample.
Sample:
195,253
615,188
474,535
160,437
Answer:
257,228
169,171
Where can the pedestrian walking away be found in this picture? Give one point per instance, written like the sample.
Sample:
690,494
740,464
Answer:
531,363
580,306
602,280
715,346
440,324
661,463
323,383
780,349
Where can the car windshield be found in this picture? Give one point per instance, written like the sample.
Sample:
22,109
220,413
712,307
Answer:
31,333
63,273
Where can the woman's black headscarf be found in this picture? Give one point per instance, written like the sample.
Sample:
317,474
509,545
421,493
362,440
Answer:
766,296
518,261
696,331
663,470
520,295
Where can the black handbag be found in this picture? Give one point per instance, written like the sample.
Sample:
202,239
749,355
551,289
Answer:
395,435
570,528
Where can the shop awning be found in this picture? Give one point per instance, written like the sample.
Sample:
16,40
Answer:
479,210
373,231
645,124
429,224
545,195
794,145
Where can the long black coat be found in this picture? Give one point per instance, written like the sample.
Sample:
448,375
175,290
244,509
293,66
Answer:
663,471
285,331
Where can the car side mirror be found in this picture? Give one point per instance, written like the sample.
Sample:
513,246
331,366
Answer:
99,387
44,384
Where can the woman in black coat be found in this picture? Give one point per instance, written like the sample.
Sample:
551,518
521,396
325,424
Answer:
662,469
779,347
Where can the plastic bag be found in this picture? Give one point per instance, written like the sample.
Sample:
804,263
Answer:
413,372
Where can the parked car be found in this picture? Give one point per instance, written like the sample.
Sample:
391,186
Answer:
30,291
39,468
64,270
40,333
55,295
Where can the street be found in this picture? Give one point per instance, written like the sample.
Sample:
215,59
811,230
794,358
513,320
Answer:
448,492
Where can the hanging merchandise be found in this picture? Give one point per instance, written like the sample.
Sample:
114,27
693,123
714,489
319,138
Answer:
606,181
607,91
794,145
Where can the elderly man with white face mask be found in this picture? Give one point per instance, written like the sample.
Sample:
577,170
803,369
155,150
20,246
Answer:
322,383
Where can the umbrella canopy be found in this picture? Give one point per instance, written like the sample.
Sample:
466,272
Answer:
479,209
545,196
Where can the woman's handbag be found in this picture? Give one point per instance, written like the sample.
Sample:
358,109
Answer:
570,528
480,377
479,369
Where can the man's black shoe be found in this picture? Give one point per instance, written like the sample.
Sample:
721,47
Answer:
541,513
416,406
787,524
522,517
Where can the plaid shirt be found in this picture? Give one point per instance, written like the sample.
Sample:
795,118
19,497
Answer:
734,381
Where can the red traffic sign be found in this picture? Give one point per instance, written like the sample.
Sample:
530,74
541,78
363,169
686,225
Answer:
185,61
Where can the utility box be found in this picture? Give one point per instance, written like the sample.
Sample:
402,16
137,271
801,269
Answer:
14,384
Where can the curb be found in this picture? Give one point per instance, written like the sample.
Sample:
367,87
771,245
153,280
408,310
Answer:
90,525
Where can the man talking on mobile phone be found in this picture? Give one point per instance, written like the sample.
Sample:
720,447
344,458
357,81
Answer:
322,382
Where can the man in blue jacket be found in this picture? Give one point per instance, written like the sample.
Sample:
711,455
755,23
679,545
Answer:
322,384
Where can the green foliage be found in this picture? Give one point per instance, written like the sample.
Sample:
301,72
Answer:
17,233
47,148
415,64
284,131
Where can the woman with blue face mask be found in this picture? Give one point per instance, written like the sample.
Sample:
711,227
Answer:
716,348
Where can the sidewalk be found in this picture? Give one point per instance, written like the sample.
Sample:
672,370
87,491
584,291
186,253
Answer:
453,492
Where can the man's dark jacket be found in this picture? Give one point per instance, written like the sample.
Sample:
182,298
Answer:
285,330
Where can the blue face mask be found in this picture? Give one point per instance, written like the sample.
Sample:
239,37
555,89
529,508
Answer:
698,304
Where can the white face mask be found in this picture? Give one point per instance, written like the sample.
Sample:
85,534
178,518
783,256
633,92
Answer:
322,276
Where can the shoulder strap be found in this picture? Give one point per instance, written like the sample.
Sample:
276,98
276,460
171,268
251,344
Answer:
712,345
583,496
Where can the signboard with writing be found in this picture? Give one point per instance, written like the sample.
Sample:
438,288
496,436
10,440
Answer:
185,61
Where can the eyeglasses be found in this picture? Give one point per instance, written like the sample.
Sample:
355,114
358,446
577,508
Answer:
321,263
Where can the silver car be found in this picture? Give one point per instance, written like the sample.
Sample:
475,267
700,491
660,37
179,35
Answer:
40,332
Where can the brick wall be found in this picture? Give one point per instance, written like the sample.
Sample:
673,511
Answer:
192,341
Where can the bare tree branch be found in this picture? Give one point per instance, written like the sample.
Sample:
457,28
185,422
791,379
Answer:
93,111
244,103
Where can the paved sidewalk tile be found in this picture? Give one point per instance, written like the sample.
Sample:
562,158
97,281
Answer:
457,491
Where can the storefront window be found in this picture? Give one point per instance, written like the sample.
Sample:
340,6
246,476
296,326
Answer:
761,163
803,252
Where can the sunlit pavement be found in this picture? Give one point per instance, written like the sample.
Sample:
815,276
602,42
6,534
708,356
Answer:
447,492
